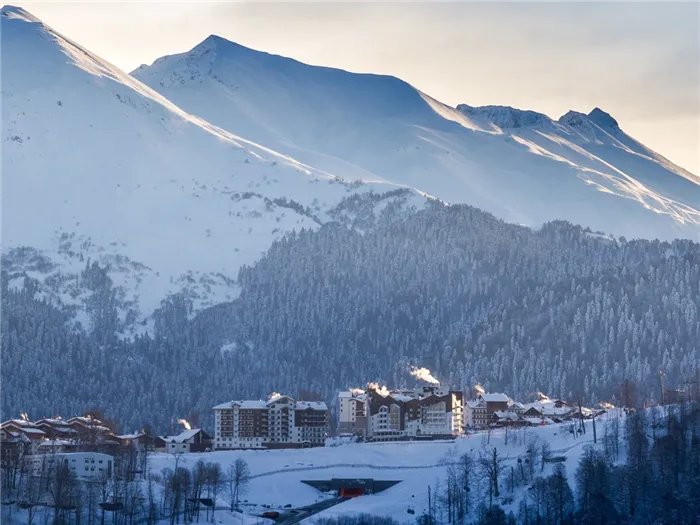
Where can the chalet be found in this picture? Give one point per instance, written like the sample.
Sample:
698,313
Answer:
56,428
507,419
159,444
555,409
139,441
33,435
479,412
515,406
13,445
532,412
494,402
56,446
193,440
89,427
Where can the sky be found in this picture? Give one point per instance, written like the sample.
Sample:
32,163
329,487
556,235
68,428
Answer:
639,61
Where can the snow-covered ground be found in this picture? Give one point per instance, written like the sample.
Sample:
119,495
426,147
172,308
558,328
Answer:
277,474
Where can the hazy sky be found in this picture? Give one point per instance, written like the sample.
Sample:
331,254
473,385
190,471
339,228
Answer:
639,61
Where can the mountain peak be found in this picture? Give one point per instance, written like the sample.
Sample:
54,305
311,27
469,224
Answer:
505,116
215,40
219,43
11,11
603,119
573,118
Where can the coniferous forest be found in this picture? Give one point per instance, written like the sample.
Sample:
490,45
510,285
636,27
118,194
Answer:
559,309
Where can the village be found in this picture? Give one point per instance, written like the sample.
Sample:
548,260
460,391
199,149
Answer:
374,414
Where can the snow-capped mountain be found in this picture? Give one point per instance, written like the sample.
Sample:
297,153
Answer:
96,165
520,165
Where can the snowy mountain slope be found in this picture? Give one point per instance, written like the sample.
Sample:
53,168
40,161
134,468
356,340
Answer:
95,165
520,165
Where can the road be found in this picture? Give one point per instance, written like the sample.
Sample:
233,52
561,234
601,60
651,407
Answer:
305,512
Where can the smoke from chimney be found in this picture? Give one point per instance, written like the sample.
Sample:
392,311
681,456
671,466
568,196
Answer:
381,390
423,374
185,423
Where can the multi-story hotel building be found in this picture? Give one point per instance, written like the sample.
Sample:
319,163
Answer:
280,422
426,412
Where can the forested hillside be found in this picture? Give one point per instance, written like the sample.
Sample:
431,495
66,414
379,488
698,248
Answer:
560,310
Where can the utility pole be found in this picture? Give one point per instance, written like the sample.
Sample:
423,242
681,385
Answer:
661,379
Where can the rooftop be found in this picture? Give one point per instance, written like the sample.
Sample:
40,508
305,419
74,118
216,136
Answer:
494,398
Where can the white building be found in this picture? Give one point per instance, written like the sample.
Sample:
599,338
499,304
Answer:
280,422
352,413
191,440
475,413
85,466
424,412
479,412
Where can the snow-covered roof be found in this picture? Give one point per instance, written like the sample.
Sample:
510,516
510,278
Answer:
476,403
401,397
183,436
313,405
56,422
33,431
86,420
502,414
494,398
549,408
131,436
19,423
278,398
242,404
537,420
55,443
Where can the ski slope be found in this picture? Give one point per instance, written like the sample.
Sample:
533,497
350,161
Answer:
520,165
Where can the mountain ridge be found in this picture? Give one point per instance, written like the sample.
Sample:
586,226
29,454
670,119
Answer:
398,133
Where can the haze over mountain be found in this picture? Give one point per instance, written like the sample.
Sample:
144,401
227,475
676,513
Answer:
520,165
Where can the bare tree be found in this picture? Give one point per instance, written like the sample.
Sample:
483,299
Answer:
238,479
466,467
215,480
545,454
492,465
533,447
